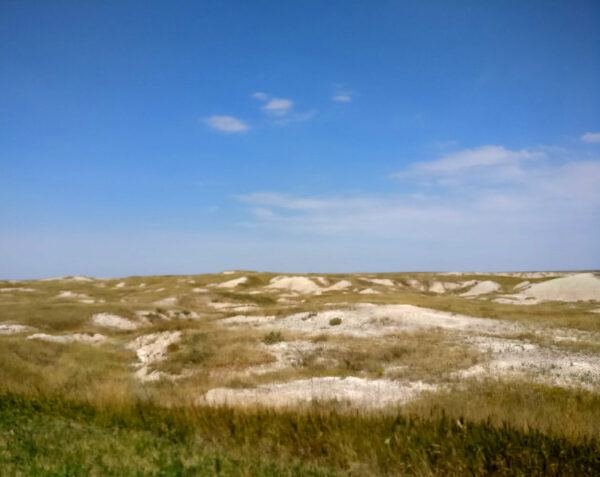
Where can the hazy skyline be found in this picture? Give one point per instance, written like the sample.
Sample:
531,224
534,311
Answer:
192,137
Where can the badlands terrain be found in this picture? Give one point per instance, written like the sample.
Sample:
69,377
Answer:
509,349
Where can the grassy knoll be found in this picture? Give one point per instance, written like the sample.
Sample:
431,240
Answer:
54,436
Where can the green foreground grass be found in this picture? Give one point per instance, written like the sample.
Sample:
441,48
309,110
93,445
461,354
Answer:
55,436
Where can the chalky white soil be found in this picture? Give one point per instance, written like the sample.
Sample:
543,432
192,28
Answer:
540,363
67,339
358,392
583,286
367,319
70,294
341,285
169,301
482,288
295,284
151,348
233,283
108,320
11,328
579,287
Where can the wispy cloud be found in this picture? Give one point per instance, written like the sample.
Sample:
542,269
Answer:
549,200
342,94
490,163
591,137
343,98
227,124
282,111
279,106
480,157
295,118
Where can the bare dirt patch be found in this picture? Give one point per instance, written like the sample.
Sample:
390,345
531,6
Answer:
151,348
545,364
169,301
233,283
297,284
374,320
70,294
580,287
108,320
10,328
67,339
350,391
482,288
341,285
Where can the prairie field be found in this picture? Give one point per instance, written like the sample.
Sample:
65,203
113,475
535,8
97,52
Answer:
248,373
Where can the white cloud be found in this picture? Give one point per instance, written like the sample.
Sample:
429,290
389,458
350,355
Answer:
344,98
295,118
591,137
547,213
282,110
485,164
553,195
227,124
279,106
484,156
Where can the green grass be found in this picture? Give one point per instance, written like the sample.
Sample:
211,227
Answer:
273,337
526,405
54,436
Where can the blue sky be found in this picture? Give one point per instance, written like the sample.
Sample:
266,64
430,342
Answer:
190,137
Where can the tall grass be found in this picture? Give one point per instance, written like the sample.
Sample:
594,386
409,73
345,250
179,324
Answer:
51,435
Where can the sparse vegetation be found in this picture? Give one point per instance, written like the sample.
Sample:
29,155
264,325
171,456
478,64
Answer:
78,408
273,337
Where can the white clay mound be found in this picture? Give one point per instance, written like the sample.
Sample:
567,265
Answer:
296,284
353,391
437,287
366,319
368,291
482,288
9,328
341,285
583,286
151,348
169,301
108,320
416,284
384,282
70,294
66,339
521,285
233,283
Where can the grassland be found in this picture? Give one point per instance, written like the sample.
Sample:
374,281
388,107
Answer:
530,407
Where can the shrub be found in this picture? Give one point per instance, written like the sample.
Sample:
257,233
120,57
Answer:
335,321
273,337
